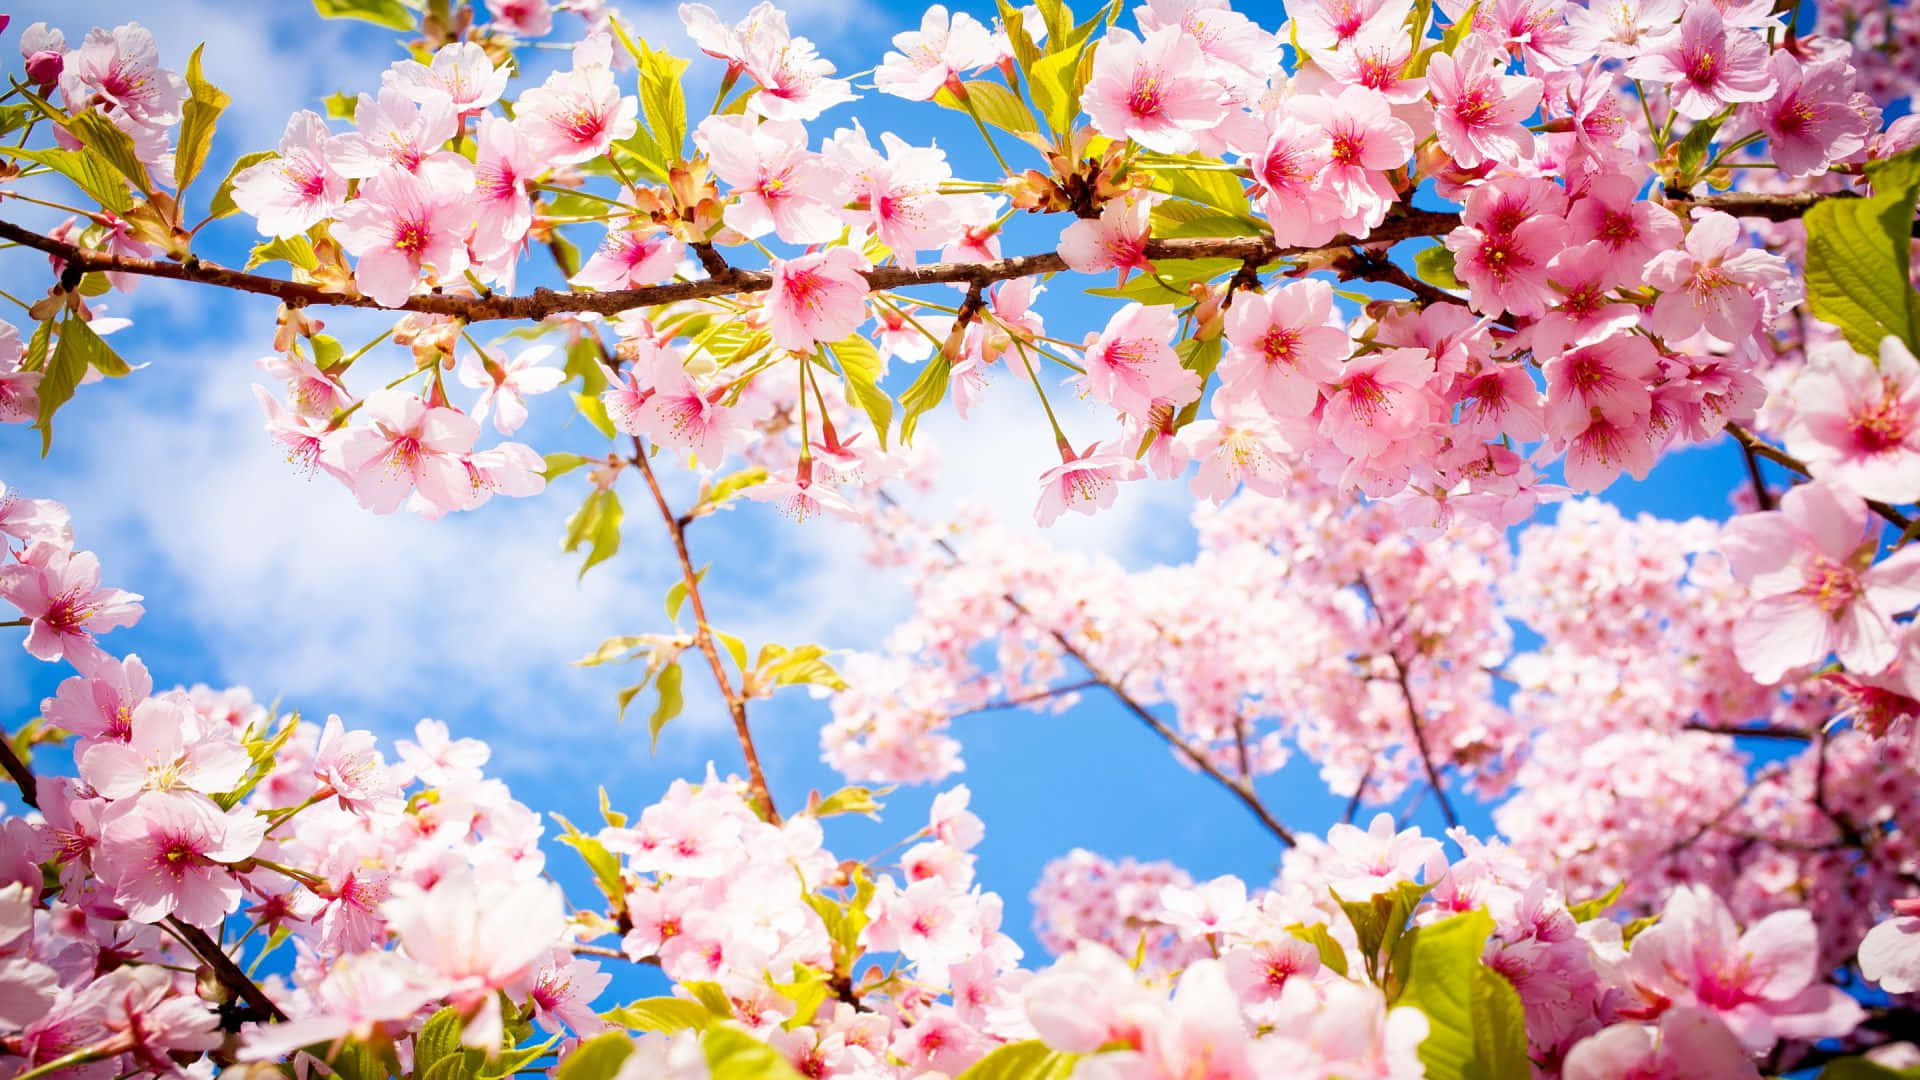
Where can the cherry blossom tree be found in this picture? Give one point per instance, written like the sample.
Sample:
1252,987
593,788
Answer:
1398,288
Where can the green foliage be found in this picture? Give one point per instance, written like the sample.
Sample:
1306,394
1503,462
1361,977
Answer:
677,595
597,525
88,170
924,395
860,365
1857,258
105,137
1692,153
78,349
1589,910
202,110
1434,265
605,867
1028,1060
222,203
561,464
778,666
994,104
1859,1068
851,800
733,1054
295,251
1332,955
388,13
657,146
730,485
663,1014
1476,1024
599,1058
1380,920
670,704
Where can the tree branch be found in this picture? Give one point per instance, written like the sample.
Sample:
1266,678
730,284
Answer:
1420,741
1404,223
1755,446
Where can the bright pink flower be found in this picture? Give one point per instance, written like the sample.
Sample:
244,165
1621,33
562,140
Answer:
351,770
1816,589
630,258
1115,239
1289,180
393,132
1376,399
1710,284
59,592
402,228
1282,346
506,163
796,83
1707,64
1688,1044
1811,120
460,72
1629,230
778,186
505,384
162,853
1365,141
897,197
1503,247
1501,400
1154,92
1609,376
1325,25
563,992
577,115
1131,364
1603,445
1086,483
120,70
937,54
662,402
1480,113
1763,984
404,444
44,51
290,193
522,18
100,704
817,298
167,749
1377,58
1857,424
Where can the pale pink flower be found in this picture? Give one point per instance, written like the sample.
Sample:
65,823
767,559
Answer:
1376,58
1606,444
522,18
778,185
563,992
290,193
1289,180
395,132
577,115
361,995
1115,239
100,704
1238,446
505,384
311,391
506,163
935,55
1202,1034
1282,346
1609,376
1241,55
1131,365
351,770
1712,282
1816,587
1086,483
478,937
662,402
32,520
1706,63
1325,25
1629,230
1764,984
402,228
438,758
817,298
801,498
461,72
629,258
1811,119
402,445
163,854
1688,1044
305,438
796,83
1480,113
1154,92
1365,140
166,749
58,591
1619,29
1377,399
1857,424
896,197
1365,862
1890,953
120,70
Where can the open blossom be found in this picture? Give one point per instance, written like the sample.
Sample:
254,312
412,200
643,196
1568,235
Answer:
816,298
1628,230
59,593
460,72
1376,399
351,771
506,163
1688,1043
1508,236
1480,113
935,55
1706,63
1288,180
1085,483
1816,588
163,853
578,114
395,132
1890,953
629,258
896,196
1365,140
522,18
31,520
1857,424
1115,239
778,185
505,384
1811,120
1238,446
662,402
1154,92
1712,282
403,444
166,750
478,938
1131,364
1282,347
1325,25
299,187
120,70
796,82
402,228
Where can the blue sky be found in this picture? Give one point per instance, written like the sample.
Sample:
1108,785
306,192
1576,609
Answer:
256,576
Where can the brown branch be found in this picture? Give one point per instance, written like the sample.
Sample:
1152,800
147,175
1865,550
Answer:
1353,804
203,946
1405,223
1420,741
1019,700
703,636
1765,731
1753,444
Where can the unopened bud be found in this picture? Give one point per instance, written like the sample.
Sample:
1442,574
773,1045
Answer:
44,68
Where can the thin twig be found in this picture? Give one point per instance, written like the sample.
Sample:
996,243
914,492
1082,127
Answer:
1420,741
1754,444
1764,731
1020,700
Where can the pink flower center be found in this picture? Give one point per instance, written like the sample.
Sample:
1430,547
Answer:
411,236
1704,68
1617,229
1347,147
1369,397
69,612
583,125
1146,97
1881,427
1830,585
1474,109
1281,345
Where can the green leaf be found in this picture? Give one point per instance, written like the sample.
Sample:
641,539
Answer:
512,1061
995,104
88,170
1589,910
733,1054
1859,1068
662,103
1197,182
1332,955
79,348
1380,920
852,800
354,1061
668,683
295,251
733,484
340,106
665,1014
388,13
595,411
734,646
1056,83
223,204
678,594
803,665
599,1058
603,863
1434,265
116,146
925,394
1028,1060
597,525
561,464
1475,1023
808,991
710,995
1692,151
860,364
608,813
1857,258
439,1037
197,122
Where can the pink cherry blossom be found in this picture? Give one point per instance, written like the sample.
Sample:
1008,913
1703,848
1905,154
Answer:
395,132
796,83
1630,231
59,593
779,186
120,70
295,190
1115,239
460,72
351,771
1707,63
506,163
1131,364
1377,398
1816,590
1152,91
1289,174
522,18
1502,249
1812,119
896,196
630,258
1326,25
163,854
165,750
1282,346
505,384
1890,953
1687,1043
662,402
936,55
1857,423
1712,282
402,229
1365,140
403,444
1087,483
817,298
32,520
577,114
1479,113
